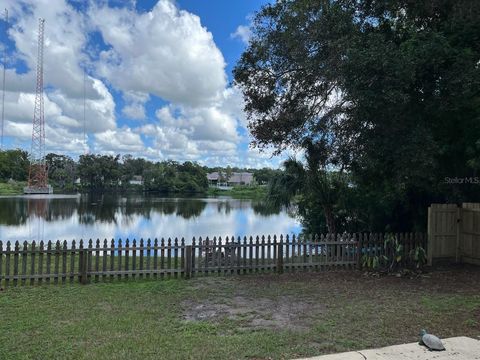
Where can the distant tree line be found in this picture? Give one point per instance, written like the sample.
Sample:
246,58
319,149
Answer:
114,172
14,165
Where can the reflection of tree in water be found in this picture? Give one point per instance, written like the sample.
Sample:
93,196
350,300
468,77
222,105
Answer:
265,209
108,208
13,212
186,208
97,208
167,207
135,205
16,211
228,205
38,208
190,208
60,209
37,213
224,206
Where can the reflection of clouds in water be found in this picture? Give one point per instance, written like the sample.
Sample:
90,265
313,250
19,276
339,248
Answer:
66,229
156,219
218,225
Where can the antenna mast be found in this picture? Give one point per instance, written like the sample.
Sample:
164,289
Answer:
4,75
37,178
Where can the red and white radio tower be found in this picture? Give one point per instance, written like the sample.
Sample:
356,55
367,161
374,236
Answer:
37,177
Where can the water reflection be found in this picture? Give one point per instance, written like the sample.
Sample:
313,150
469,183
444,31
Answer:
107,215
13,212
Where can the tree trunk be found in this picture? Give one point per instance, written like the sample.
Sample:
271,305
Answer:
329,218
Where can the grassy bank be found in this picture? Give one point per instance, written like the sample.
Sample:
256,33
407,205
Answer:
240,191
12,188
241,317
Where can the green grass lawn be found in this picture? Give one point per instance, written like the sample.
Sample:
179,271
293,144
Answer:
238,317
241,191
15,188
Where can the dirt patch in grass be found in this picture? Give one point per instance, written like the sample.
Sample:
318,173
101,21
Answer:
343,309
277,313
454,279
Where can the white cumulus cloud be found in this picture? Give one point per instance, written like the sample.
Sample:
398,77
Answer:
119,140
161,67
166,52
65,35
243,33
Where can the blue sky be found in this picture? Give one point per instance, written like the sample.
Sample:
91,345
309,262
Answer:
157,75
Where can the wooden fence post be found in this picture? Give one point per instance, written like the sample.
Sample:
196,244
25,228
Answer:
188,261
430,237
359,251
459,234
280,257
83,268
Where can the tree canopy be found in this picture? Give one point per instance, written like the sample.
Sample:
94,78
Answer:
14,165
388,91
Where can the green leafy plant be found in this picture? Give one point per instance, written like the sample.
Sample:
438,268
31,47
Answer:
371,262
392,257
418,257
392,246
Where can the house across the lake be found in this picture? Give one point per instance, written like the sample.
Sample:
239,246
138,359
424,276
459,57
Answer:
136,180
235,179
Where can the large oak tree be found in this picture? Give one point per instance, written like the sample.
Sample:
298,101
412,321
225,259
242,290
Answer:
388,91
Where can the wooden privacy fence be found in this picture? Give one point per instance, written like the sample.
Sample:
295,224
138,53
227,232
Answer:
454,233
31,263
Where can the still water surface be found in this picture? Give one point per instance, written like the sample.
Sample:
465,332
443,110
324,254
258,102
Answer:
57,217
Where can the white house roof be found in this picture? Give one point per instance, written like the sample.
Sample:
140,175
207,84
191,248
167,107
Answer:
213,176
243,177
236,177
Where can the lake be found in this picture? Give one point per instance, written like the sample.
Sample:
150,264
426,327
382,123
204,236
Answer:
61,217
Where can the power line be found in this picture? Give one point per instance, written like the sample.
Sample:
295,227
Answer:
4,76
84,107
